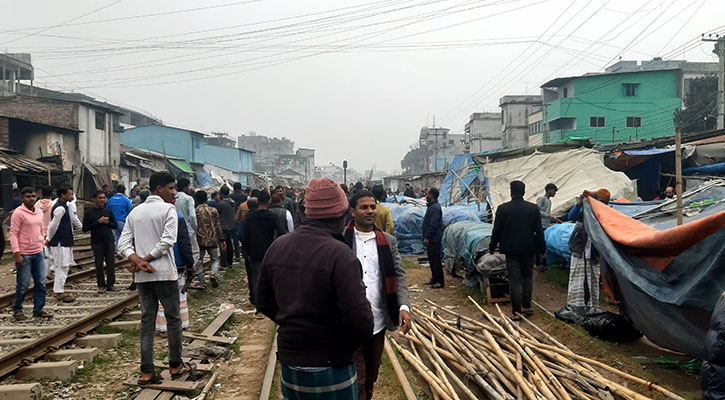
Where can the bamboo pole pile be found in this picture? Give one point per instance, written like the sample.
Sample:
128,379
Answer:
464,358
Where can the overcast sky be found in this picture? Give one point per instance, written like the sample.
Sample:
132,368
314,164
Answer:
354,80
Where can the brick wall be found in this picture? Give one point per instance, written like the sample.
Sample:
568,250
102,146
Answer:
4,133
44,111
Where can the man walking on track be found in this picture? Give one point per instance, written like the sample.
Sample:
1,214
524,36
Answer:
120,205
517,227
147,241
186,207
311,285
100,221
260,229
432,237
27,240
210,237
60,241
386,286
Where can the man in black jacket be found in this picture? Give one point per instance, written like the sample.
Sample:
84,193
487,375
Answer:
100,221
517,227
432,236
260,229
227,209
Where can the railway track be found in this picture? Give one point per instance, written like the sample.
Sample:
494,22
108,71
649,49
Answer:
22,342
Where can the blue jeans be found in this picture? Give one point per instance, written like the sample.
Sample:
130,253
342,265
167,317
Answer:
33,264
117,232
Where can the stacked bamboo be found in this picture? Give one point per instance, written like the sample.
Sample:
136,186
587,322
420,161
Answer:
506,360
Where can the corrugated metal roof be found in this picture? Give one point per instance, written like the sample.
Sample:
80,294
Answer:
22,163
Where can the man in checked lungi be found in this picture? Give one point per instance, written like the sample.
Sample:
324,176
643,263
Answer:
584,271
311,285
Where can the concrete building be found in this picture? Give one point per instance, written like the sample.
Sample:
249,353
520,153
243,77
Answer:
438,147
15,68
188,145
266,149
221,139
515,112
93,155
629,101
303,162
484,131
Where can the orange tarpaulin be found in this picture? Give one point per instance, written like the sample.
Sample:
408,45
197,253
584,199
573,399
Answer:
655,247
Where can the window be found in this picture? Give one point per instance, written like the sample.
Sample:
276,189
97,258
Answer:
566,92
197,145
631,89
100,120
634,122
596,122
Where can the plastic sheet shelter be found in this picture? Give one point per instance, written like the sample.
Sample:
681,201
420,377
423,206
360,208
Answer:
667,281
463,180
466,240
572,170
644,165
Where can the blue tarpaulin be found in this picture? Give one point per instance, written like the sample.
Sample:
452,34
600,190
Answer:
466,176
557,243
712,169
204,179
408,221
634,208
461,240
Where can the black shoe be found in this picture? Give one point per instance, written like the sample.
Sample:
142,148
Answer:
430,282
133,286
437,286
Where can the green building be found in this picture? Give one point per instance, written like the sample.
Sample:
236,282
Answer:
627,102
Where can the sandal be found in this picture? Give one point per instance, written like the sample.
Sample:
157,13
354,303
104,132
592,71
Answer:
155,379
189,367
43,314
527,312
65,297
516,318
214,281
197,286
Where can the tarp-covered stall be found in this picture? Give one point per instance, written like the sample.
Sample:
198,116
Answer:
408,221
465,244
463,181
667,281
571,170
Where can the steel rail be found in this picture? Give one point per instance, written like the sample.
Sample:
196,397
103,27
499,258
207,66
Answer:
7,299
19,357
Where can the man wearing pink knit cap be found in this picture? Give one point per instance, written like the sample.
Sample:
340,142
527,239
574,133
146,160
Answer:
310,284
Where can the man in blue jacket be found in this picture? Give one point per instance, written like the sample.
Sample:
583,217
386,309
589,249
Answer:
432,236
120,206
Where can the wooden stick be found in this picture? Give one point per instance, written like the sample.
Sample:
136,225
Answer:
517,376
407,389
443,365
546,391
563,395
647,384
470,369
424,372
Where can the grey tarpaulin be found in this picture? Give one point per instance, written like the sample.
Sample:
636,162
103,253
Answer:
671,307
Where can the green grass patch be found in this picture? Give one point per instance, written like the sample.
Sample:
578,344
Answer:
411,262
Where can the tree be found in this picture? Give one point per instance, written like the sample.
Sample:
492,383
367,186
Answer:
700,103
413,161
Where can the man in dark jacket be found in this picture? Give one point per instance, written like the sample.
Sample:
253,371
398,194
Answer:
432,236
284,218
713,363
227,209
260,229
239,198
101,222
517,227
311,285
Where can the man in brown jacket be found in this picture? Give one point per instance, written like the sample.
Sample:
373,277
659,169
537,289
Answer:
311,285
210,237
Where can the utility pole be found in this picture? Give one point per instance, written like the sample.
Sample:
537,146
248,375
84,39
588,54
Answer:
720,51
678,174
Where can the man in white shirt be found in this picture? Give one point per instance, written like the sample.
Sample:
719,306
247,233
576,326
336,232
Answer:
386,286
148,241
59,239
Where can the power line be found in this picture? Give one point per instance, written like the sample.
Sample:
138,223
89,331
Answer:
47,28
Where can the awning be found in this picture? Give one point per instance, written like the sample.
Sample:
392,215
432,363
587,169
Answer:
101,175
182,165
